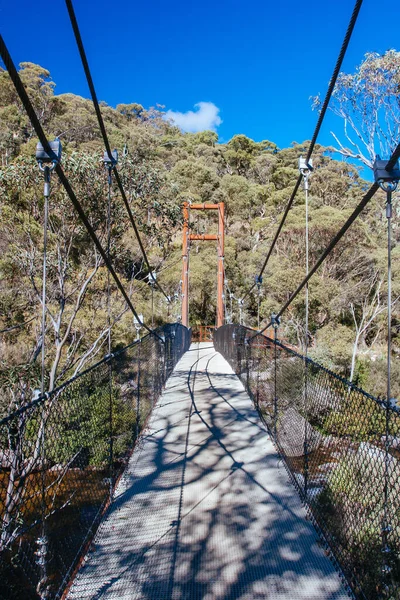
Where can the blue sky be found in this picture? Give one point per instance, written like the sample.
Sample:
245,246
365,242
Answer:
257,62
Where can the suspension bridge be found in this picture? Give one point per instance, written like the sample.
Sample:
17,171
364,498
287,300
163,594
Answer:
236,469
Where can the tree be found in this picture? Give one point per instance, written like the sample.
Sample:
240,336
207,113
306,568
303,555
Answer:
132,111
368,102
195,179
77,325
368,311
240,153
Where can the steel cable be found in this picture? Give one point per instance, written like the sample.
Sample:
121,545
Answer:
360,207
15,78
373,189
42,541
89,79
385,522
110,365
321,117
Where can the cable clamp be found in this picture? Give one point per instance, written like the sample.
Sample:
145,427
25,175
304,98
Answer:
49,159
110,161
152,278
275,321
386,179
305,168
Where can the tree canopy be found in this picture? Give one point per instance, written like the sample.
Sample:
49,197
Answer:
368,103
161,167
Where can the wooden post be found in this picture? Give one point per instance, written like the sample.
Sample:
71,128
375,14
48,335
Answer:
185,266
220,239
221,250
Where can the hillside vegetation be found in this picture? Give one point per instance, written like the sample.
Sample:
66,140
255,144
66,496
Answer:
162,167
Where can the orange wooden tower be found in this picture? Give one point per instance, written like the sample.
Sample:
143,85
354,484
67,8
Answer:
220,239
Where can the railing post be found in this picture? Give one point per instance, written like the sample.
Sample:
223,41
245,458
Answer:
275,323
247,355
42,541
111,444
137,427
160,375
165,362
306,425
258,377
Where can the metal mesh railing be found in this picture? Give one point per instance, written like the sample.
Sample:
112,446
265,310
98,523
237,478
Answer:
61,456
341,447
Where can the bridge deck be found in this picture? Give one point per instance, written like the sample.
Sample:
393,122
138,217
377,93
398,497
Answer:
205,509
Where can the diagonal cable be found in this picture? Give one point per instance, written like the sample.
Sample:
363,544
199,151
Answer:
15,78
95,101
359,208
321,117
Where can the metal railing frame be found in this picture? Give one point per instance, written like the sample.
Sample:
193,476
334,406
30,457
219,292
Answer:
338,450
61,456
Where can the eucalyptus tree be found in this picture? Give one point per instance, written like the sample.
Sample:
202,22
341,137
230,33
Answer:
368,103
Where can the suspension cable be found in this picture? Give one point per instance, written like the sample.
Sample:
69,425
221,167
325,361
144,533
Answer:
306,175
110,366
385,521
15,78
373,189
321,117
44,282
42,541
307,298
109,182
89,79
360,207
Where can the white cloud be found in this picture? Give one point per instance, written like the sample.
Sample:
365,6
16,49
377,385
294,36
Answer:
205,117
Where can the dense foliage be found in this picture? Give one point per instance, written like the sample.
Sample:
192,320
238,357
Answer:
161,167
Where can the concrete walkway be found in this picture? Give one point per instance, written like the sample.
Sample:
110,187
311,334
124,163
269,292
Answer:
205,510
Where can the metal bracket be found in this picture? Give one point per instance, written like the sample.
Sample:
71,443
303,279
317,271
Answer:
48,161
305,169
152,278
110,162
386,179
275,321
53,157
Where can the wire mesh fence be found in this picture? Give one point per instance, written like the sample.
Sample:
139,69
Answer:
61,456
341,447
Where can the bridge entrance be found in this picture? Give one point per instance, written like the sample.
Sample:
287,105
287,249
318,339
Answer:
203,333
